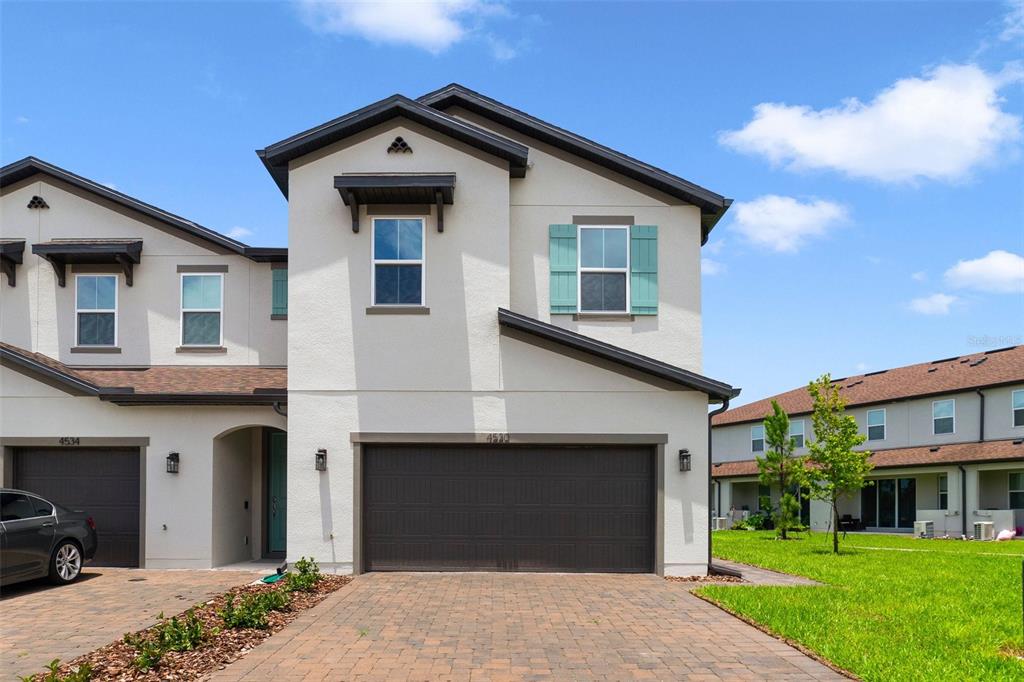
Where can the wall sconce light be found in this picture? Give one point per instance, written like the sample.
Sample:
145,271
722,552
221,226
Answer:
684,460
173,462
321,460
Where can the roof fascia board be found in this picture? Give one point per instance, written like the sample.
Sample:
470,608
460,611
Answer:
676,375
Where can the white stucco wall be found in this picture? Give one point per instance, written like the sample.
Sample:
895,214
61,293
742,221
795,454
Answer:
178,530
39,315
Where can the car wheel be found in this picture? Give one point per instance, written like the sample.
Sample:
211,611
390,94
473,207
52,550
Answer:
66,563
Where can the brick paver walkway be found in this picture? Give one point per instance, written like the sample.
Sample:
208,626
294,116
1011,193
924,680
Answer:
507,626
40,622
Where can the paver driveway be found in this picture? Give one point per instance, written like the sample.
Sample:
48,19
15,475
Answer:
40,622
508,626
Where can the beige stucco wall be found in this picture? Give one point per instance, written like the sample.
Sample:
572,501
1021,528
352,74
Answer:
38,315
178,530
233,490
452,371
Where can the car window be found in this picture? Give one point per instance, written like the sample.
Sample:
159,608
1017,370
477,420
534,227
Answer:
15,506
41,507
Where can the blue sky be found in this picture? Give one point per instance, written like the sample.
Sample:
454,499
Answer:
873,149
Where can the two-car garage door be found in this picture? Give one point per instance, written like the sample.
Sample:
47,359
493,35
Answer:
508,508
104,482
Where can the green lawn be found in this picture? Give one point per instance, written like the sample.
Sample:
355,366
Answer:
886,613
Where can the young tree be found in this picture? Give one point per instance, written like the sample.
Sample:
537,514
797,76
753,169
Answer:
780,468
839,469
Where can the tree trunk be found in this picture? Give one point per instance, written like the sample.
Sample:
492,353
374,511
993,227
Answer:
835,527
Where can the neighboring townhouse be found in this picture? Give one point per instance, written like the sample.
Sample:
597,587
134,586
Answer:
947,443
493,346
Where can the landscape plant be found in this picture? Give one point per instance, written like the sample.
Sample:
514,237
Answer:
306,578
781,469
252,609
839,470
82,673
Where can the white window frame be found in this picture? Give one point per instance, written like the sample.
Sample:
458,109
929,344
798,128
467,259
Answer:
117,286
802,434
752,439
183,310
1010,491
422,262
580,269
936,402
1013,410
884,424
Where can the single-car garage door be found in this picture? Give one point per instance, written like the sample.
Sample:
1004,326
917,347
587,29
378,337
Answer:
104,482
508,508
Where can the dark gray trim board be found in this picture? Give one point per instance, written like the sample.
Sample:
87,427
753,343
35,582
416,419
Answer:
715,390
712,205
276,156
603,220
203,268
397,310
95,349
29,166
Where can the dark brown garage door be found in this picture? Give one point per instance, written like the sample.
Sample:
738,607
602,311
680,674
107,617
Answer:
103,482
509,508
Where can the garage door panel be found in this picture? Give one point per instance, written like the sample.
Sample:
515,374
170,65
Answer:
104,482
508,508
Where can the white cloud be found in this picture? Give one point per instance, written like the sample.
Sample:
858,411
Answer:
711,267
714,247
936,304
999,272
939,127
784,223
862,366
239,232
1013,21
920,276
22,119
432,25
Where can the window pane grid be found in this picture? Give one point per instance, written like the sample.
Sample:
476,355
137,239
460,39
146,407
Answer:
604,269
202,309
96,310
398,261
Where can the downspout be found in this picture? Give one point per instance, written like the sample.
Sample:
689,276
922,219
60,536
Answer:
963,499
981,419
277,408
711,521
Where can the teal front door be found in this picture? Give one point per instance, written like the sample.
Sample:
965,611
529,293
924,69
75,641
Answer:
277,492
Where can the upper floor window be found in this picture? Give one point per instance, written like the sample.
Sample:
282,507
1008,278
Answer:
876,424
96,310
1017,490
604,269
757,438
796,432
202,309
398,263
943,491
943,416
279,292
1017,399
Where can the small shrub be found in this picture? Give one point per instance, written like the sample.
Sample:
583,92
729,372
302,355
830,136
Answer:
148,651
307,577
251,611
181,635
82,674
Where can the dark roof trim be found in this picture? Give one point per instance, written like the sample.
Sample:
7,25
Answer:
276,156
70,382
29,166
713,206
396,188
258,398
267,254
714,389
126,253
11,255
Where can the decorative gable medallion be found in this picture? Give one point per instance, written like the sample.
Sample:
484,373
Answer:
38,202
399,146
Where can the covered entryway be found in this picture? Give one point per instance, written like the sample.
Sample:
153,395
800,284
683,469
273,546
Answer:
509,508
104,482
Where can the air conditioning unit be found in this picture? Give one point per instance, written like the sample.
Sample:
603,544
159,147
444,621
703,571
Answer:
984,530
720,523
924,529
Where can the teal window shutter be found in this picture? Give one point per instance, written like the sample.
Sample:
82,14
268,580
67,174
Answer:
562,259
279,288
643,269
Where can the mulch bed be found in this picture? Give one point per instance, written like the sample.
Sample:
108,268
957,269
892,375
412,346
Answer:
115,661
704,579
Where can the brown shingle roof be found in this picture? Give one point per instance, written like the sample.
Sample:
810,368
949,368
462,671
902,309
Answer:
925,455
167,382
991,368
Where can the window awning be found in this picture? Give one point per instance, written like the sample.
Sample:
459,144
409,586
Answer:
11,251
124,252
390,188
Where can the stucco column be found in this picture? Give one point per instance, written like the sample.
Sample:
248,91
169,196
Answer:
972,501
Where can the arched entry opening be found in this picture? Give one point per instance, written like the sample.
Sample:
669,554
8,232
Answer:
250,503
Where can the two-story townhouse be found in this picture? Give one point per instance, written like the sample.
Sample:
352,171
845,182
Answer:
494,349
947,444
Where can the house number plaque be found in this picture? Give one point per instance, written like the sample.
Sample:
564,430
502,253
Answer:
498,438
